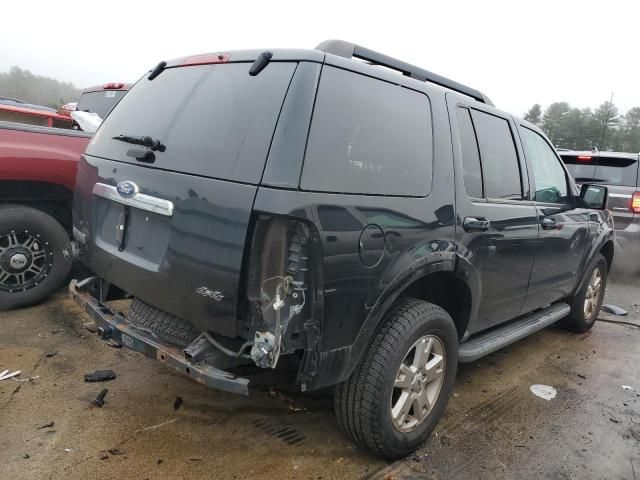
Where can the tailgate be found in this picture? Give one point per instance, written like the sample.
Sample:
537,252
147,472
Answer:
177,244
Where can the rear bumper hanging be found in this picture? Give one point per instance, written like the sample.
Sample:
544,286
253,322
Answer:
114,328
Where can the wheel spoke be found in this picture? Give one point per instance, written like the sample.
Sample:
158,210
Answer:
434,368
13,239
421,405
405,377
4,276
402,407
423,349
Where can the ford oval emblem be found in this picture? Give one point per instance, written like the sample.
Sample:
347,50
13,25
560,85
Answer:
127,189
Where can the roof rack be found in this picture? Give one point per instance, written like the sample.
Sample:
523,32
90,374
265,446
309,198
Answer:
350,50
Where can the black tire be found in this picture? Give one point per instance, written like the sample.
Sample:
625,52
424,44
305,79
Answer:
363,402
171,329
50,244
578,320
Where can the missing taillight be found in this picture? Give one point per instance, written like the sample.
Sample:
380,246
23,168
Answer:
278,287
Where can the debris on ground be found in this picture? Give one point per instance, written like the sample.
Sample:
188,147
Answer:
116,451
626,387
5,375
99,401
99,376
546,392
582,376
614,309
177,402
26,455
68,450
90,326
46,425
103,456
26,379
50,354
196,459
614,420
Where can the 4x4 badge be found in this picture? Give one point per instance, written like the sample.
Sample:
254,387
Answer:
207,292
127,189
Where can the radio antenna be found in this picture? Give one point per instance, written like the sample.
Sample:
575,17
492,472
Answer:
606,122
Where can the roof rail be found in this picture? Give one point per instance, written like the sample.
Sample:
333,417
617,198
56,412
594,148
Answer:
350,50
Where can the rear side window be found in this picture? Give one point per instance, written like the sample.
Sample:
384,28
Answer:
215,120
368,136
500,169
99,102
603,169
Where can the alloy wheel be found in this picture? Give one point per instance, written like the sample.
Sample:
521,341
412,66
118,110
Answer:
418,383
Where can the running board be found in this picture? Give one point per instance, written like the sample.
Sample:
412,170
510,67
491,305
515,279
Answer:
500,337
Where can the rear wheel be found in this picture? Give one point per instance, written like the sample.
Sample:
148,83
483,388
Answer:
585,305
399,391
33,257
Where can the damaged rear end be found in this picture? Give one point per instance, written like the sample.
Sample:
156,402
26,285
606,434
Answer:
165,214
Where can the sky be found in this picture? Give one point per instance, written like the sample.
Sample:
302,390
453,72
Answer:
516,53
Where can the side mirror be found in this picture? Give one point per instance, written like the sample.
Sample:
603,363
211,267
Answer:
594,196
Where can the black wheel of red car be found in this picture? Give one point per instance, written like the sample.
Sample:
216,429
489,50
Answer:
586,303
33,261
400,389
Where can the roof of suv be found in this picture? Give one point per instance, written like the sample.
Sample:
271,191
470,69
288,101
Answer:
337,52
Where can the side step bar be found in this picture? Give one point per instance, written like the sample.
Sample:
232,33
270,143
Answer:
498,338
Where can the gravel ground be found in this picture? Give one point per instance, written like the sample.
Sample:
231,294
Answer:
494,427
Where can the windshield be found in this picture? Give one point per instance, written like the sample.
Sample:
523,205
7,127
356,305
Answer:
99,102
213,120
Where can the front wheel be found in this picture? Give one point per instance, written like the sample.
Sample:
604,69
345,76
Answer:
33,262
400,389
586,303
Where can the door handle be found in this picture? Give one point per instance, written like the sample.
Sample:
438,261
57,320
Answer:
550,224
476,224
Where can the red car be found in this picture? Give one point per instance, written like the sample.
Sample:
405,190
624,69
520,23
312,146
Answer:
37,176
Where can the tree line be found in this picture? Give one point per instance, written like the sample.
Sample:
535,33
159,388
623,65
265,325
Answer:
603,128
49,92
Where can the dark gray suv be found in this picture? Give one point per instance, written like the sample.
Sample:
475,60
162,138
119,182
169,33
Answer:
376,226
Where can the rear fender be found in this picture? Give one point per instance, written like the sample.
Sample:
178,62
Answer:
335,366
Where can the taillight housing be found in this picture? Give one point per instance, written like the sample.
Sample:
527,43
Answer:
635,202
281,287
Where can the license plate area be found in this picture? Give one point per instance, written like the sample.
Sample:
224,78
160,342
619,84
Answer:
137,236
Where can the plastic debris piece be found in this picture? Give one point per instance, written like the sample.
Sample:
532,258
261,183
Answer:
26,379
614,309
6,376
546,392
99,376
626,387
99,401
46,425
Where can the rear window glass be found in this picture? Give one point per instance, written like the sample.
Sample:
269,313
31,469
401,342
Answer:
99,102
368,136
605,169
214,120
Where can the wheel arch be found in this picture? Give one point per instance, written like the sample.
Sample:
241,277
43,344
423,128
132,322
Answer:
442,279
51,198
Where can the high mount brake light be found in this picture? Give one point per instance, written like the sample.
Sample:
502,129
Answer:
635,202
584,158
205,59
112,86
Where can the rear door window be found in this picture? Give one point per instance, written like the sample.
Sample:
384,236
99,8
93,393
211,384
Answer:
368,136
215,120
471,169
500,169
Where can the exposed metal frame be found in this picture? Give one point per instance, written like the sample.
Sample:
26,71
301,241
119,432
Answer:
351,50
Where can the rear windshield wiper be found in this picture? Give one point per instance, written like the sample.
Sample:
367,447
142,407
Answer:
144,140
